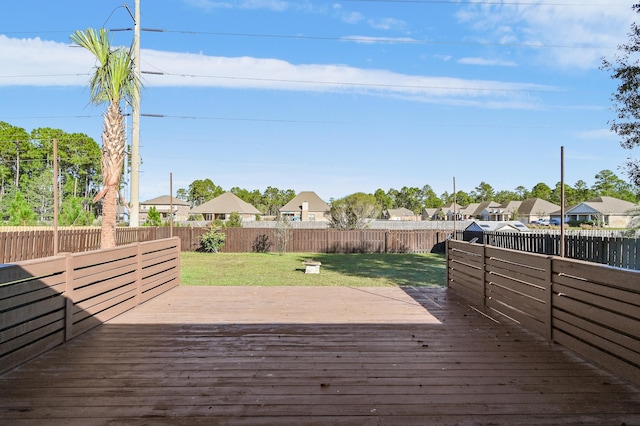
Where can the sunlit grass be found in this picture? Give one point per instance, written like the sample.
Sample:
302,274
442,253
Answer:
271,269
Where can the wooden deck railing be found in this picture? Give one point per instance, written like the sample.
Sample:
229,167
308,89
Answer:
621,252
591,309
45,302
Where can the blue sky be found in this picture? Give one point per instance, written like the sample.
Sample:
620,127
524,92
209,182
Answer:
337,97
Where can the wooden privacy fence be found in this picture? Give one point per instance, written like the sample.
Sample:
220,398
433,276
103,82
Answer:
591,309
45,302
337,240
24,245
613,251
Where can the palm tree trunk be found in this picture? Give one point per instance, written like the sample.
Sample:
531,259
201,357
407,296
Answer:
108,229
113,144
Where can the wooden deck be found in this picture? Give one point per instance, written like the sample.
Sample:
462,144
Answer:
305,355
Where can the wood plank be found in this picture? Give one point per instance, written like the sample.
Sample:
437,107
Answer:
628,296
30,269
530,260
633,343
527,289
91,258
624,279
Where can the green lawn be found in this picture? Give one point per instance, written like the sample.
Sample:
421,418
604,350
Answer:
271,269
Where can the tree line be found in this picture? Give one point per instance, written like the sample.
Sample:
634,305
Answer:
26,175
26,184
417,199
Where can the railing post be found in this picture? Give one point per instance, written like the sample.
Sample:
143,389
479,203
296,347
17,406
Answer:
549,299
68,297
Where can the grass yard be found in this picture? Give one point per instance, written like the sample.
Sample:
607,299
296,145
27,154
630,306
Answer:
272,269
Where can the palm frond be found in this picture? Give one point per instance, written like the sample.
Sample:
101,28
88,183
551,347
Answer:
114,78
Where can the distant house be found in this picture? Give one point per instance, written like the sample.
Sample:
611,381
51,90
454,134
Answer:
306,207
504,212
605,211
222,206
451,212
533,209
478,211
432,214
525,211
400,214
163,205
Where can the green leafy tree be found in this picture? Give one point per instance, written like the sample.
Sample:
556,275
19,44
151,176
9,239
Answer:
73,213
235,221
153,217
505,196
113,81
19,212
353,211
483,192
79,160
408,197
430,199
542,191
201,191
38,192
569,195
522,192
625,68
15,148
583,193
273,199
383,199
182,194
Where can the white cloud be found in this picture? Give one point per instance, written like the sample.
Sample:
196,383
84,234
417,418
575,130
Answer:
486,62
582,33
383,40
605,134
33,62
387,24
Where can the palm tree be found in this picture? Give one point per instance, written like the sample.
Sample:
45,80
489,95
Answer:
113,81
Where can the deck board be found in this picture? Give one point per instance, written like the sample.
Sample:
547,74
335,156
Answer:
305,355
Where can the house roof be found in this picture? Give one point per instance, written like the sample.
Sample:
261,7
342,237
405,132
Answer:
448,209
225,204
315,203
537,206
506,207
476,209
495,226
165,200
604,205
400,212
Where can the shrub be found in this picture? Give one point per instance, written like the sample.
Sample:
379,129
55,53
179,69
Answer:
235,221
212,241
262,244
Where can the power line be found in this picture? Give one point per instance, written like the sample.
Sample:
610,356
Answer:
339,83
386,40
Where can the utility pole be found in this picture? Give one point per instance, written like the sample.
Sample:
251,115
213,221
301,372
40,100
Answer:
134,214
